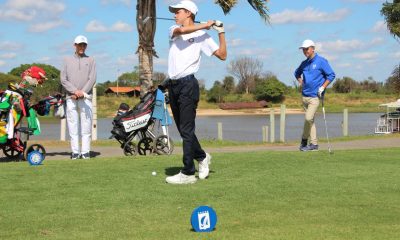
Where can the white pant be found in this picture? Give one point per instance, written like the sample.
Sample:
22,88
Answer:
79,117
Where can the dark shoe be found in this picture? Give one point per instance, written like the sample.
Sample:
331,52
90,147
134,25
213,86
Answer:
85,155
303,144
75,156
310,147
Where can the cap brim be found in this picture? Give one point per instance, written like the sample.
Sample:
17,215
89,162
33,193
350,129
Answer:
306,46
173,8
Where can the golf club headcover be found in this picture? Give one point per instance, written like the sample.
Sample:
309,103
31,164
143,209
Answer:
218,26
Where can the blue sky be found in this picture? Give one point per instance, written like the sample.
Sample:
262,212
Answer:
351,34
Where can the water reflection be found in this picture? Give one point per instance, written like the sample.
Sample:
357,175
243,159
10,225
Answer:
247,128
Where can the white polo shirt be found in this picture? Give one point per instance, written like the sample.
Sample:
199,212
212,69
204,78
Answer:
185,52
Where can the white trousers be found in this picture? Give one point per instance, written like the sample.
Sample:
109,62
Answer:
79,121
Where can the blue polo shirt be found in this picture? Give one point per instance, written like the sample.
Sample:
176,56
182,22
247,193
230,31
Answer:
315,71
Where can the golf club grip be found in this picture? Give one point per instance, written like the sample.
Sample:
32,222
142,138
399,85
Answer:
218,25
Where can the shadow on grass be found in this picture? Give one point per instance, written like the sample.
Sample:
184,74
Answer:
11,159
172,171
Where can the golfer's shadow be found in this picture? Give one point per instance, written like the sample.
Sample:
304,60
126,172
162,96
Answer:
67,153
175,170
172,171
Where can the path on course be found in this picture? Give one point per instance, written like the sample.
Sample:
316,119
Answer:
62,152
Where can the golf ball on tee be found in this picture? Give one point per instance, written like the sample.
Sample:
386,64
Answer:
154,173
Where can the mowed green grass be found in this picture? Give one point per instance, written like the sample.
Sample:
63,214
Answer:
261,195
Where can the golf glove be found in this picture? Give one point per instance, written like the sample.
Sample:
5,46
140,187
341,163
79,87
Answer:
321,91
218,26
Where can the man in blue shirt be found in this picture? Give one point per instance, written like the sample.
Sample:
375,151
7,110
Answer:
314,74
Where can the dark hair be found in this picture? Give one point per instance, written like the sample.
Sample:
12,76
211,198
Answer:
191,14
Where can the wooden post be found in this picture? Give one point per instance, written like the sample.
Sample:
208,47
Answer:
220,131
63,128
94,112
282,123
265,134
345,122
272,124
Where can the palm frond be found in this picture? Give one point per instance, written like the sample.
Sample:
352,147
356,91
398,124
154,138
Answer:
391,13
259,5
226,5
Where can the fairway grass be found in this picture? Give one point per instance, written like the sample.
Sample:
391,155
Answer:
262,195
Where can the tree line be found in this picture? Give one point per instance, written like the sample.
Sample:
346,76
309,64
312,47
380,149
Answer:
246,82
266,86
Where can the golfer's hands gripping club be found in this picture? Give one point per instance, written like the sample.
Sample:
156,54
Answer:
208,24
321,91
218,26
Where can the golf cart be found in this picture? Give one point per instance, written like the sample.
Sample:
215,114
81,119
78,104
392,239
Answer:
389,122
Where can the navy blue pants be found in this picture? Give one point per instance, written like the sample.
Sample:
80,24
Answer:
184,96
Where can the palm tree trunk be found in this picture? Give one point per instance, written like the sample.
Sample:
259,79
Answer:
145,70
146,9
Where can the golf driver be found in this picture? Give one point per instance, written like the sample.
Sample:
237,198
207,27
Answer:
326,126
146,19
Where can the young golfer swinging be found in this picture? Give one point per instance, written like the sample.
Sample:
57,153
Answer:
187,42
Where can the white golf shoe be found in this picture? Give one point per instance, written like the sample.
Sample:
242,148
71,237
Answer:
181,178
204,169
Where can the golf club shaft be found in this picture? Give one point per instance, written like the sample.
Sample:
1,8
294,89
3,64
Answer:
216,23
171,19
326,125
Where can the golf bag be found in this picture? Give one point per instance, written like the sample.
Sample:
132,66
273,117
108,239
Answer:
140,122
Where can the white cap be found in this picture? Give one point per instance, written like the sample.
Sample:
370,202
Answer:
80,39
307,43
185,4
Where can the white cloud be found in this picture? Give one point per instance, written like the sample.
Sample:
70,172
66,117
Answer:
367,55
14,14
2,63
44,60
340,46
129,60
10,46
40,15
8,55
261,53
376,41
43,27
45,6
121,27
396,55
97,26
125,2
235,42
365,1
160,62
344,65
308,15
27,10
331,57
379,26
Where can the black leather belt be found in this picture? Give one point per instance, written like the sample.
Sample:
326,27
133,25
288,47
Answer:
186,78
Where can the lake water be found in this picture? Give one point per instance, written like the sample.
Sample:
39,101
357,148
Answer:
248,128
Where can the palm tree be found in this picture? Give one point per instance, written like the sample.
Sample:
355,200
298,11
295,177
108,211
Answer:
391,13
146,25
